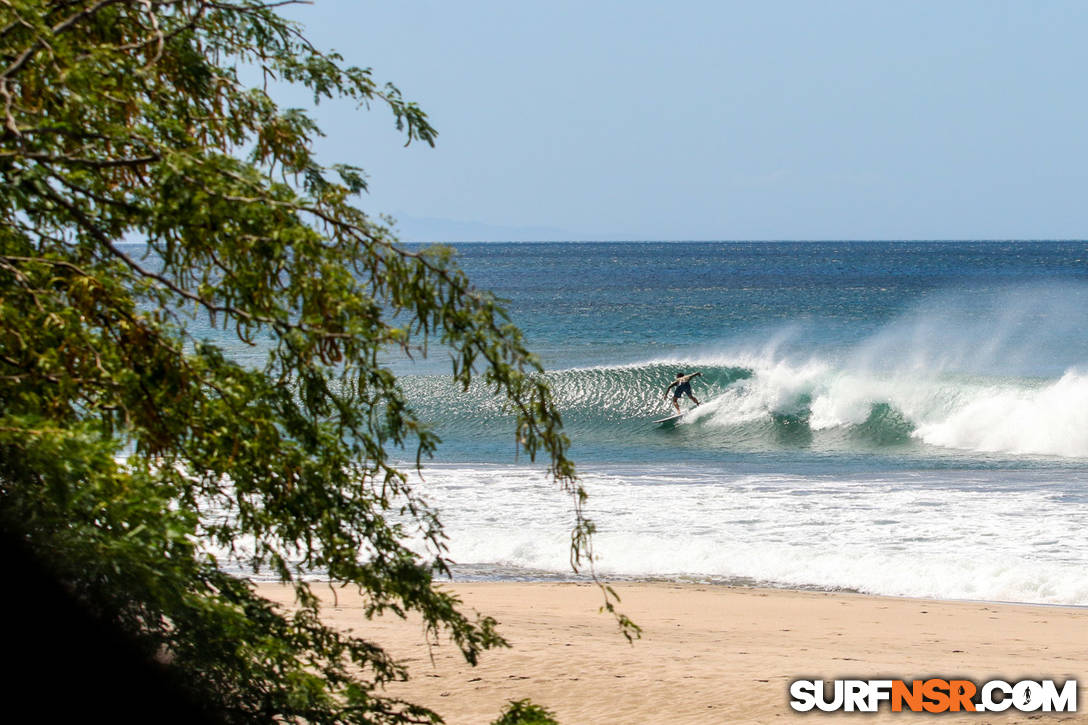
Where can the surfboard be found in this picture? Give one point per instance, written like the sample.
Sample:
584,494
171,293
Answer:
670,419
674,417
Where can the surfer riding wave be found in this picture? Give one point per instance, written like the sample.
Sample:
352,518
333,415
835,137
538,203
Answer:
683,387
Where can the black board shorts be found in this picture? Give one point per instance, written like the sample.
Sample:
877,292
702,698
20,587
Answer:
681,390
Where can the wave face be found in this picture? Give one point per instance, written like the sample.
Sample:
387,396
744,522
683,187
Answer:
751,405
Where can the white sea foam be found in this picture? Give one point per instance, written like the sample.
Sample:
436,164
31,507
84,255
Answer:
1017,417
982,535
1050,420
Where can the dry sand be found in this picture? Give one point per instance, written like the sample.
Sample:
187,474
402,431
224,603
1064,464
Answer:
714,654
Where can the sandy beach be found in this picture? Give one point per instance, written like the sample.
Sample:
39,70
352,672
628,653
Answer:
715,654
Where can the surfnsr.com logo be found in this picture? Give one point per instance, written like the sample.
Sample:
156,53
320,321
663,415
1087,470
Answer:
933,695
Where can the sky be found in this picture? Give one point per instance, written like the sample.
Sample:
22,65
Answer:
718,120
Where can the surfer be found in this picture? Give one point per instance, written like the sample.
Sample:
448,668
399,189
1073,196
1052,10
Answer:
683,387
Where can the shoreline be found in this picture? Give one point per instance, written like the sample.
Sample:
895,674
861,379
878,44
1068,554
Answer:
745,583
714,652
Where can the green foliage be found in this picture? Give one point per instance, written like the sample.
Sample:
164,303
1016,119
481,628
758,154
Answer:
127,446
524,712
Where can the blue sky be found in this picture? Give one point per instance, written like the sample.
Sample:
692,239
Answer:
720,120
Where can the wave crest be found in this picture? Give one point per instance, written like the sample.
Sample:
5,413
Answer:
749,404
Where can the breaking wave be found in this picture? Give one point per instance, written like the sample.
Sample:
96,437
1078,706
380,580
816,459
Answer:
751,403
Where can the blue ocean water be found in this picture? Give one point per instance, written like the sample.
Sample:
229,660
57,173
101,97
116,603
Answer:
903,418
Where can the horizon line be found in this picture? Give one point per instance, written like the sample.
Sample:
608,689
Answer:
745,241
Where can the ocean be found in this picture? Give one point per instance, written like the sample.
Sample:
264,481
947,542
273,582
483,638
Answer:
898,418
